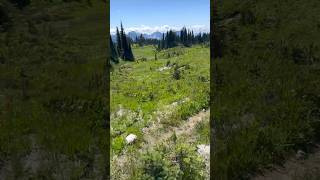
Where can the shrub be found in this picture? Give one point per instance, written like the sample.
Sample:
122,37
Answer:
156,166
176,73
118,144
190,163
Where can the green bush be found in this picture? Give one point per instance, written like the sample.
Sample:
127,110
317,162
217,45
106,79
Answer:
190,163
173,162
118,144
156,166
176,73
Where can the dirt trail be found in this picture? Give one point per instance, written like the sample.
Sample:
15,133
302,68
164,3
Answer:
296,169
153,136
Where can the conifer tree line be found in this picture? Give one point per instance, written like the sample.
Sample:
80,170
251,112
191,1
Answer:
141,41
121,48
171,39
185,37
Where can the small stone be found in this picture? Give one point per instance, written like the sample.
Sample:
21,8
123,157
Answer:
174,104
164,68
131,138
120,112
204,150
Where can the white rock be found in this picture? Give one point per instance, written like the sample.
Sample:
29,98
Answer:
120,112
164,68
131,138
204,150
174,104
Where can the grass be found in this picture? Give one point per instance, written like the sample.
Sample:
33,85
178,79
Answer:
53,102
143,87
143,91
147,52
266,85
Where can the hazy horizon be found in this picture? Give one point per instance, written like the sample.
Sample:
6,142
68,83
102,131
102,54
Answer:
143,29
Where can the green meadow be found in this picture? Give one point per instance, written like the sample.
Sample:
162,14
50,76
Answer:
157,93
265,75
52,93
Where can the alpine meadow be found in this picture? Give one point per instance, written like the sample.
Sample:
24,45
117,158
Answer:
52,89
265,89
160,86
150,93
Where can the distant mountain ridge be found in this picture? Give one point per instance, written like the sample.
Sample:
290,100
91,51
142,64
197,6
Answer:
155,35
134,34
157,32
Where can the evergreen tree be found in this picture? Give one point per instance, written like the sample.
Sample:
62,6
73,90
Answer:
141,40
163,42
127,54
181,36
123,42
166,40
130,56
119,43
188,39
114,54
159,45
192,37
185,37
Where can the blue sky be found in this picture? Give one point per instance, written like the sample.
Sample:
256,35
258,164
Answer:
159,15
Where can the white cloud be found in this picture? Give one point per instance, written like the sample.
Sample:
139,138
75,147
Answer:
149,30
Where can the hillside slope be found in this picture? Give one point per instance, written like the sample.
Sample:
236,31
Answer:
52,90
266,79
158,101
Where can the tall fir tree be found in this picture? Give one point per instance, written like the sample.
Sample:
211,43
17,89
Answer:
123,42
181,36
114,54
159,45
163,42
127,54
130,56
119,44
192,37
185,37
